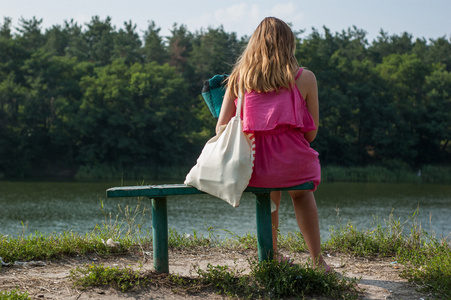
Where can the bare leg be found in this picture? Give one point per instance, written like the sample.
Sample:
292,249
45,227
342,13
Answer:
275,196
307,218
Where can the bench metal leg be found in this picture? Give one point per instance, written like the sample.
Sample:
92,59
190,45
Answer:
160,234
264,227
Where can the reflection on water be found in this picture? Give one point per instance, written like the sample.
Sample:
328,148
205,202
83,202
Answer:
63,206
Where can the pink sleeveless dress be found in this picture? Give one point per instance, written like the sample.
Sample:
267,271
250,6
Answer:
283,157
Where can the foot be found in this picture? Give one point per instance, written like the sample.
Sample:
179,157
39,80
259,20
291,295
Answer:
323,266
327,269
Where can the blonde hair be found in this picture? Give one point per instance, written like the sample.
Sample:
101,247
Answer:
268,61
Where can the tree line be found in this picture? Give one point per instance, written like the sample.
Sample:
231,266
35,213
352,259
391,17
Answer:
74,97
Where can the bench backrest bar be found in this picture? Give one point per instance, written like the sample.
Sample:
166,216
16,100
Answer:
182,189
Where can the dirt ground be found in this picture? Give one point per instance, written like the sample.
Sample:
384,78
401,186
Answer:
378,278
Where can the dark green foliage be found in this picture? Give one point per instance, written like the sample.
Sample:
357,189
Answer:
76,99
99,275
154,48
274,280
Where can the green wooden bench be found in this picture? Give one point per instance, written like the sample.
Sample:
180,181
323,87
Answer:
159,193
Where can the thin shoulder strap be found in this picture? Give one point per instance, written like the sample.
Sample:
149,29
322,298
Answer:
239,104
299,73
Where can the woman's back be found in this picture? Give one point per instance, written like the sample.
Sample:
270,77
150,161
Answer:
279,121
266,111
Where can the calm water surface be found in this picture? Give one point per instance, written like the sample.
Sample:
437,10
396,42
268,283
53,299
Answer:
76,206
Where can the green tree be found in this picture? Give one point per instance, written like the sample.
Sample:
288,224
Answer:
133,116
385,45
98,96
214,52
30,36
5,28
14,151
337,60
99,39
77,45
434,124
127,44
50,81
12,93
405,77
154,46
180,46
440,50
57,39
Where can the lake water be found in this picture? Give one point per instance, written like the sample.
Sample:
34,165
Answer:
50,207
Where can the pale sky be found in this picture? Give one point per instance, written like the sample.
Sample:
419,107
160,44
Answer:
428,19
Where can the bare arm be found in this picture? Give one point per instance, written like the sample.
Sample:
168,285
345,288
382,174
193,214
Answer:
308,87
228,110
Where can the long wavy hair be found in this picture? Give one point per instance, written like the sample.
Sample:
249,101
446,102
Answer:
267,63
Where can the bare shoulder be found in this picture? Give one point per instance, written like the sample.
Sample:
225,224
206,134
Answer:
307,78
306,83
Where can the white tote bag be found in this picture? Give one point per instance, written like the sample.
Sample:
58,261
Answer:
225,164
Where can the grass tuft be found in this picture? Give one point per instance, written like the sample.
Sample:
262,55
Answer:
429,266
275,280
14,295
99,275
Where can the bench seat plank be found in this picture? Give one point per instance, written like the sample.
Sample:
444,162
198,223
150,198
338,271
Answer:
182,189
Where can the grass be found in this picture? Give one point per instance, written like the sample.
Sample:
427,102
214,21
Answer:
426,258
40,246
99,275
14,295
275,280
429,267
381,241
394,173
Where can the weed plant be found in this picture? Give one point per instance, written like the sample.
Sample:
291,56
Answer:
99,275
275,280
14,295
128,279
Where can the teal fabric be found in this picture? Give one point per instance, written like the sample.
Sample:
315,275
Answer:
213,93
